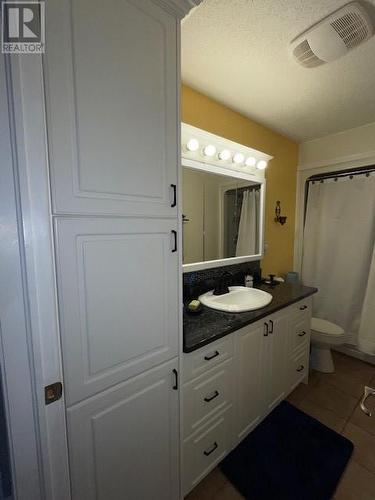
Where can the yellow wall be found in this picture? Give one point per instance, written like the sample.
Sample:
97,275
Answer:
201,111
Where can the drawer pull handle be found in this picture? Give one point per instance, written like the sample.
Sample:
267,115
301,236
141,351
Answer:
174,202
175,385
302,308
302,334
211,450
174,234
271,330
211,356
265,330
210,398
300,368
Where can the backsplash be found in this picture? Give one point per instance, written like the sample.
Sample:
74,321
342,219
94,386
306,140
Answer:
198,282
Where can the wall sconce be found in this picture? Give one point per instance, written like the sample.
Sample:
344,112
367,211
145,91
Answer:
279,218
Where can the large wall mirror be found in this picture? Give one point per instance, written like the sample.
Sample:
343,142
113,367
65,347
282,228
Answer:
223,192
222,218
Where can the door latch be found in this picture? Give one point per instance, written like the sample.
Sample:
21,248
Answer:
52,392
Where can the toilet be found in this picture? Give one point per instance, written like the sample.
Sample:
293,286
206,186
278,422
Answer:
324,335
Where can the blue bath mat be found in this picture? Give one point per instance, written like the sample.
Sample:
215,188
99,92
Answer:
289,456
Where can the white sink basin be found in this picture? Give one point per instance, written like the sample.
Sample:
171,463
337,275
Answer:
239,299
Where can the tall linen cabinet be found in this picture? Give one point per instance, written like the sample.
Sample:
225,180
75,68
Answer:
111,81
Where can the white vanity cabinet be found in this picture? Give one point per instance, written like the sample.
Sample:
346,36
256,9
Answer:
230,385
299,343
274,359
208,378
249,395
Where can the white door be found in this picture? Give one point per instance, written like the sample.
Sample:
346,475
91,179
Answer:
275,356
249,346
111,434
118,301
111,90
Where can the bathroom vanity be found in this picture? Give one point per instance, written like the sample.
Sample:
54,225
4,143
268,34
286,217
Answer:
236,368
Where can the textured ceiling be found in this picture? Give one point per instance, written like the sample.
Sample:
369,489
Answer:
236,51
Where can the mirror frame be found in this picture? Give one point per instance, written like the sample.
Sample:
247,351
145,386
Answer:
214,169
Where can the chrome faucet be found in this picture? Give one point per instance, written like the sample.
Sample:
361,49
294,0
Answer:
221,285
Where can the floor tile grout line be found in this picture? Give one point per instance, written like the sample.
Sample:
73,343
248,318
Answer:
363,467
322,407
327,382
350,416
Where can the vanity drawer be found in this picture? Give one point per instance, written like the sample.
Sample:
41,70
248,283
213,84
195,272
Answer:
298,368
207,395
302,308
203,451
299,333
201,360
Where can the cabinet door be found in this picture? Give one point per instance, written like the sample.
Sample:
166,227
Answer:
249,406
118,299
123,443
275,356
111,102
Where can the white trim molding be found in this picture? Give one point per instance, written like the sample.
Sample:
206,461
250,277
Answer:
178,8
16,353
348,161
40,287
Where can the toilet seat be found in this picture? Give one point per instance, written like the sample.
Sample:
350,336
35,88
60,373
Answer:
326,332
324,326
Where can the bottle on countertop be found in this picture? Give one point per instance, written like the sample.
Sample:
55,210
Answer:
249,281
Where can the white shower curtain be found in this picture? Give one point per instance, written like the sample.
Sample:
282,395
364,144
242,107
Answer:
248,226
366,336
338,255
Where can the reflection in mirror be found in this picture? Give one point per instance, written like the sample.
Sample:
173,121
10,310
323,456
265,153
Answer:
220,216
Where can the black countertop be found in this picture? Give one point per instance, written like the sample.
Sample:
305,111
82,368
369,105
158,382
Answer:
210,325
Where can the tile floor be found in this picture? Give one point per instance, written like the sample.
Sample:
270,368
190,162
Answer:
334,400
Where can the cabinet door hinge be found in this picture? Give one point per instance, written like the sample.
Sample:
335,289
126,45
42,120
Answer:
52,392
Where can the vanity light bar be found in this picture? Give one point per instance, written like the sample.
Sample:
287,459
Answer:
251,161
192,145
238,158
209,150
199,145
224,155
261,165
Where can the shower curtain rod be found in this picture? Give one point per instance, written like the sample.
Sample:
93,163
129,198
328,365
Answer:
243,188
334,175
342,173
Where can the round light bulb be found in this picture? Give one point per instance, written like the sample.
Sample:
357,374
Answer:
209,150
262,164
251,161
238,158
224,155
192,145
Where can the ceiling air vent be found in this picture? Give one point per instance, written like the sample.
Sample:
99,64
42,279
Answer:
333,37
